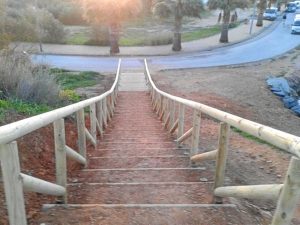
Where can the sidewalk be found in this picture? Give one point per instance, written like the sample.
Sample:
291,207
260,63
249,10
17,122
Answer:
236,35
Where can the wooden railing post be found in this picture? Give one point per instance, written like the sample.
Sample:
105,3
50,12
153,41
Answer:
93,124
81,132
60,156
99,112
104,112
221,158
196,132
172,113
13,186
180,120
289,196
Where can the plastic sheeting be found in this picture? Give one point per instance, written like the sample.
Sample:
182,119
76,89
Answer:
288,88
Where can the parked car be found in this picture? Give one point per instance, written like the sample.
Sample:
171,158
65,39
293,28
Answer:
296,27
291,7
270,14
297,4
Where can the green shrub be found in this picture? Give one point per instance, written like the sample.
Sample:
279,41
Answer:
69,96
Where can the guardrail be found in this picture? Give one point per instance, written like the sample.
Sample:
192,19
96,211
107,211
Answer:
101,109
287,194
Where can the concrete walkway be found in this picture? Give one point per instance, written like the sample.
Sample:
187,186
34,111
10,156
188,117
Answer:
236,35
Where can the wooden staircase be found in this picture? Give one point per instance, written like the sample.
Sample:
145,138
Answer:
137,175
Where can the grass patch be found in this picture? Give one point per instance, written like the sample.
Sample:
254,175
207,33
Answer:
250,137
70,80
78,39
201,33
28,109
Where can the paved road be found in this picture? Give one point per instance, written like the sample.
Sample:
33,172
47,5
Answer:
267,45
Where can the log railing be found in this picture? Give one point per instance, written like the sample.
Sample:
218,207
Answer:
101,110
287,194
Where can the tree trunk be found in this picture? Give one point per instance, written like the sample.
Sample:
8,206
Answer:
225,25
114,38
262,6
177,27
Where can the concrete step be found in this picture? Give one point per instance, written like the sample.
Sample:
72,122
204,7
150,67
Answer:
196,214
140,193
142,175
139,162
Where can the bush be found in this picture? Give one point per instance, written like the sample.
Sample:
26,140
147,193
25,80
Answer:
69,95
99,36
19,78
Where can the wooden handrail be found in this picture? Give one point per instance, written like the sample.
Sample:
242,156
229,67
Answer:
280,139
12,131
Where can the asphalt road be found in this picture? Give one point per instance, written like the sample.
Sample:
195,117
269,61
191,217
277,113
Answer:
271,43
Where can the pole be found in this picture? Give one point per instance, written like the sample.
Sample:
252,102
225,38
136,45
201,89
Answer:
252,21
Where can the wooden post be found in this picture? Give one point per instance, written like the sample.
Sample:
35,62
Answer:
93,124
81,132
99,112
196,132
180,121
60,156
13,186
221,158
104,112
290,195
172,114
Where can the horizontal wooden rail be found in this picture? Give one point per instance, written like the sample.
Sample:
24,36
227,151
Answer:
12,131
185,136
212,155
90,137
264,192
37,185
280,139
75,155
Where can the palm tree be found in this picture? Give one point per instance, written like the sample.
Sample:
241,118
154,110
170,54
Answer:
226,6
178,9
112,13
261,7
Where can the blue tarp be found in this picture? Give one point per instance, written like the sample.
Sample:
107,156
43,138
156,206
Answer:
288,89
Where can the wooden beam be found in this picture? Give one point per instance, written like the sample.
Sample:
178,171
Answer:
99,120
174,127
180,120
13,187
81,132
33,184
90,137
60,156
221,157
262,192
172,113
290,195
185,136
167,121
71,153
211,155
196,132
93,121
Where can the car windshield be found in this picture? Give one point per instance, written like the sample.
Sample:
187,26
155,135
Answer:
291,5
297,23
270,11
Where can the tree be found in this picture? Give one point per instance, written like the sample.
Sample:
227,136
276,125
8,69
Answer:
178,8
261,8
226,6
112,13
